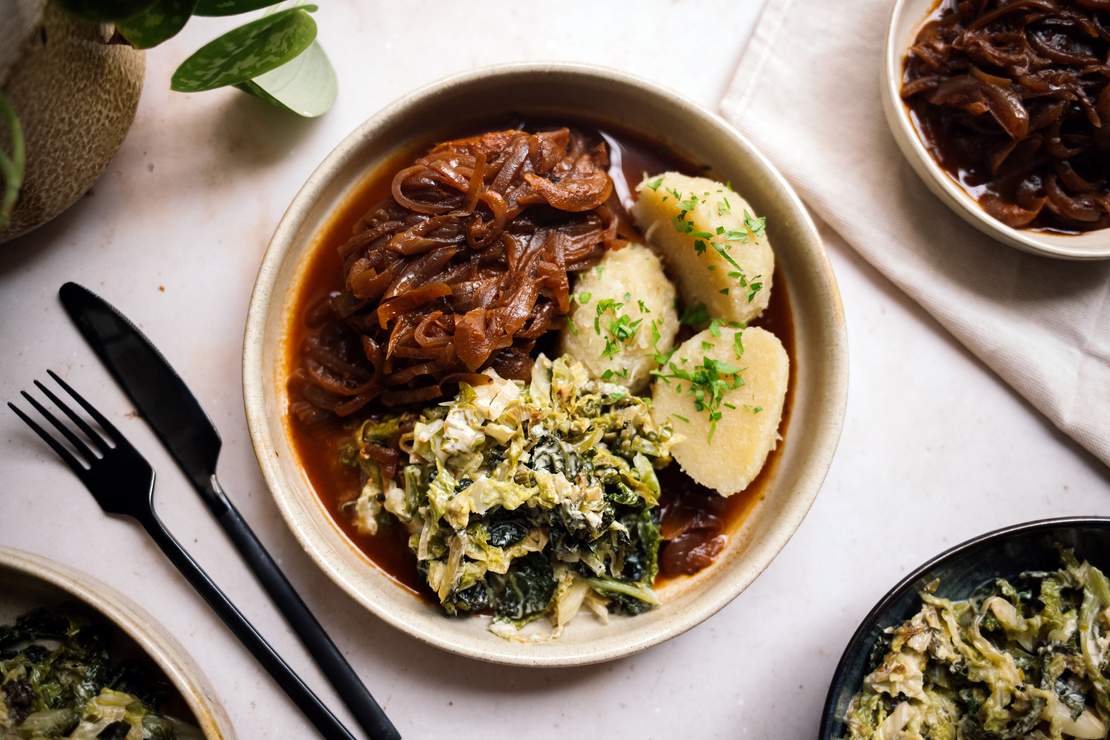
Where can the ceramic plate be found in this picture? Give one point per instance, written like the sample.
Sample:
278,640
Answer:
28,581
550,91
905,22
1003,553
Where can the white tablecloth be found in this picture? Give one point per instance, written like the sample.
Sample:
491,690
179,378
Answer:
189,205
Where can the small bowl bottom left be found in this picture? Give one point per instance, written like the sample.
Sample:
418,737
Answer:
29,581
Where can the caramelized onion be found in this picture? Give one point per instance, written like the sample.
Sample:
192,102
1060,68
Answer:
692,524
689,553
1012,97
1080,208
976,96
1008,213
464,267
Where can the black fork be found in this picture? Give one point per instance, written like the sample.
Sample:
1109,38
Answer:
122,482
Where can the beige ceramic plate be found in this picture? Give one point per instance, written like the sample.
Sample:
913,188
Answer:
28,581
606,97
907,19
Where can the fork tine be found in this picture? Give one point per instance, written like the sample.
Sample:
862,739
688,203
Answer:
78,444
97,440
68,457
113,433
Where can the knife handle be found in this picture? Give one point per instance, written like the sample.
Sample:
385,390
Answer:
315,710
312,635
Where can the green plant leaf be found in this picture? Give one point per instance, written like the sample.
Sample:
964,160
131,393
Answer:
105,10
11,165
231,7
306,85
248,51
157,23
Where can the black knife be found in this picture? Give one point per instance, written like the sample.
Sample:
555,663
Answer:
162,398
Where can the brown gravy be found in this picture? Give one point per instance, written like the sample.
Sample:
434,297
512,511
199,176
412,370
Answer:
707,517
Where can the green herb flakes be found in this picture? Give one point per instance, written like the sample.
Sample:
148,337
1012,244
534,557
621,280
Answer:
695,316
708,382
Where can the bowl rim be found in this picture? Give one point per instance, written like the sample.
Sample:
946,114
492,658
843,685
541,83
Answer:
763,551
138,625
941,183
863,631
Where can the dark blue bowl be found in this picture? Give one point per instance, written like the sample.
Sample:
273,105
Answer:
1000,554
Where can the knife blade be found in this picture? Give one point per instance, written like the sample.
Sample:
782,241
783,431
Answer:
156,390
176,417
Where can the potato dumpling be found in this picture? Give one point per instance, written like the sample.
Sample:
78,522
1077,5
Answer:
623,314
712,242
753,371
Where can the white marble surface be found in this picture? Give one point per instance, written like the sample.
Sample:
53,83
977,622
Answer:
935,448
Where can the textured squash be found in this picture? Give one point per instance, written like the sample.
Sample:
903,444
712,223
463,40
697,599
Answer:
683,218
75,94
732,456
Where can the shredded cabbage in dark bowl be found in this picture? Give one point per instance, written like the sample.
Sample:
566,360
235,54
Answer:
1004,636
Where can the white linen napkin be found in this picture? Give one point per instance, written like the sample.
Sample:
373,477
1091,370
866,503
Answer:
807,94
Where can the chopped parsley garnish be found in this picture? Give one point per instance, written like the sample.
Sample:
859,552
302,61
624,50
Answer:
754,227
654,184
605,304
610,374
695,316
618,330
681,225
621,330
661,357
738,344
737,272
708,384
